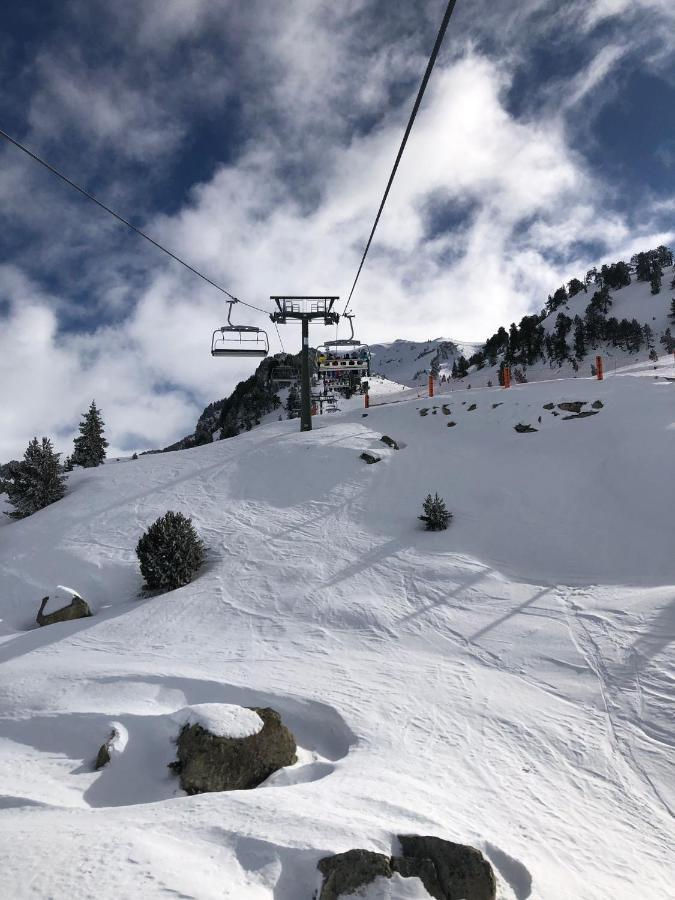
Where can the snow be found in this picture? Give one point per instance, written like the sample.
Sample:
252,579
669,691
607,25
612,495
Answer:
396,888
506,683
221,719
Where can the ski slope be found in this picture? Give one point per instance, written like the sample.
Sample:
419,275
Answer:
507,683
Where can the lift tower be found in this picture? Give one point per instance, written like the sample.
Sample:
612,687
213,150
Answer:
306,310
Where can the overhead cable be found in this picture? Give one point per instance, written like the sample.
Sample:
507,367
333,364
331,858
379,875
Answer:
124,221
413,114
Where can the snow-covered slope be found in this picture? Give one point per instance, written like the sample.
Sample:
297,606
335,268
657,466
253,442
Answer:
507,683
409,362
635,301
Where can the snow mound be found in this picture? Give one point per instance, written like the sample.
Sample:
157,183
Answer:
221,719
395,888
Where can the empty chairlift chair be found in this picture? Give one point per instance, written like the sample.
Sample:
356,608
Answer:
239,340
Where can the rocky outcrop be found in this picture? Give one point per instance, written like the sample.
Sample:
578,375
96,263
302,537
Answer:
448,871
597,404
207,762
524,429
581,415
369,457
76,609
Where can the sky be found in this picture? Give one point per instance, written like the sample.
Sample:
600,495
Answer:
255,139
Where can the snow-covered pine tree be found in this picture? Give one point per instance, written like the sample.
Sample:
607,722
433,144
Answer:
671,314
36,481
436,515
90,444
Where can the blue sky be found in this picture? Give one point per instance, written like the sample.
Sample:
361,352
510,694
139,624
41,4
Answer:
255,140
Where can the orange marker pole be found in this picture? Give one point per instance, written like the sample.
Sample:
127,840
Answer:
431,385
366,400
599,368
507,377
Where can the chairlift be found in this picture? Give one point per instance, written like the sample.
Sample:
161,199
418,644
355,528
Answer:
344,356
239,340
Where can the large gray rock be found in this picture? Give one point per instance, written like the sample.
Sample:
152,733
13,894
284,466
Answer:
77,609
524,429
345,873
448,871
207,762
463,872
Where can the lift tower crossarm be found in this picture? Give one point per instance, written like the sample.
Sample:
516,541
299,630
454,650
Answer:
305,309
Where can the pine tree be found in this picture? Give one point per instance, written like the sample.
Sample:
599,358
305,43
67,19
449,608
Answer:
36,481
579,338
436,515
90,444
293,402
671,314
668,341
655,280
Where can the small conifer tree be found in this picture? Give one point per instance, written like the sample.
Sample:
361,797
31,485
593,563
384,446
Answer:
90,445
436,516
36,481
170,552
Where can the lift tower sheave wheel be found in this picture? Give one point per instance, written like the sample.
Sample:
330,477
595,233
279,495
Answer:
305,309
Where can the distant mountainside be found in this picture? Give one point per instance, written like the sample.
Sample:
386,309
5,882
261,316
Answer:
410,362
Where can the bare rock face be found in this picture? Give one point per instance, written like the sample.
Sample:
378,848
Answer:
448,871
207,762
76,609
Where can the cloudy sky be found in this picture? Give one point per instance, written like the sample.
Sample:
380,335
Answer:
255,137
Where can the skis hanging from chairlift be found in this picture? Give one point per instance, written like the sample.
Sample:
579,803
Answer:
239,340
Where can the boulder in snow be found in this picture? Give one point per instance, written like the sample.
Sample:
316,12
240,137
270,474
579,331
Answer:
597,404
462,871
447,871
77,608
574,407
472,407
369,457
390,442
581,415
524,429
345,873
451,424
116,743
230,748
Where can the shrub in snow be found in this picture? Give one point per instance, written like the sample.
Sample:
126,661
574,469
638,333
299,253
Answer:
436,515
36,481
170,552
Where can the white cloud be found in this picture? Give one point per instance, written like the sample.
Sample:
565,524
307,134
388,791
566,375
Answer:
307,78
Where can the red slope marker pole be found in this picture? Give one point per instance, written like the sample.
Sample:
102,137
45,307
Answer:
431,385
599,368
